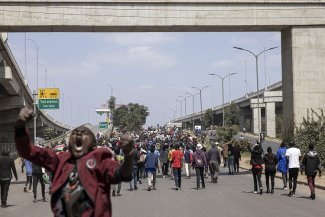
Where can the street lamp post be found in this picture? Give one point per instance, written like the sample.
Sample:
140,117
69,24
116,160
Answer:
111,89
181,105
35,114
193,107
40,64
257,84
200,91
37,48
184,101
223,94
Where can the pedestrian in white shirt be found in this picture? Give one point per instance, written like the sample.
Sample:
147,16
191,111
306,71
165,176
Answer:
293,155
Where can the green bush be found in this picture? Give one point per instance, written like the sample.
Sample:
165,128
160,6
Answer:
312,130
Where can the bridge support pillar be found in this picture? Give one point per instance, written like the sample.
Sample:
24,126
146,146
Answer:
270,119
303,58
255,119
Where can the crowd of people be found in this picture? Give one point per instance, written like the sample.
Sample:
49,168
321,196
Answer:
169,151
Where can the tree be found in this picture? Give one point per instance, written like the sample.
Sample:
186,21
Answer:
130,117
232,115
312,131
208,118
112,103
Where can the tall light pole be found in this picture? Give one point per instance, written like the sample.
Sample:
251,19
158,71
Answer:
200,91
223,94
37,48
193,107
257,85
40,64
181,105
35,114
184,101
111,89
174,111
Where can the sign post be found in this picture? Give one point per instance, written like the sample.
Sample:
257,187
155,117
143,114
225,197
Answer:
48,98
103,125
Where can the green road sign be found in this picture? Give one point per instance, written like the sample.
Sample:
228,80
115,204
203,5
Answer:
103,125
48,104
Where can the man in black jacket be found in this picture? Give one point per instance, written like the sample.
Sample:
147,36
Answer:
38,176
214,161
7,165
311,163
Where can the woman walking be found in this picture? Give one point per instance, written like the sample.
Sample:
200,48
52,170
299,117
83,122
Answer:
311,163
270,161
256,162
282,164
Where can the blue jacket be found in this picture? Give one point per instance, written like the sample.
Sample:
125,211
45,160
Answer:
29,168
282,160
151,161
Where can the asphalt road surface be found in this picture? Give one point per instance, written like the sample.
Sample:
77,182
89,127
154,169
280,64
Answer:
232,197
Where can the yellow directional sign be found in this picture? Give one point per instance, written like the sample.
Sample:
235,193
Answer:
48,93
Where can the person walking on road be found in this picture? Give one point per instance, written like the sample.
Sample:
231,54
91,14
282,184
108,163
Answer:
282,164
177,164
237,156
214,161
38,177
293,155
188,161
164,160
133,182
231,158
311,163
7,167
29,176
151,165
200,165
225,154
256,162
270,161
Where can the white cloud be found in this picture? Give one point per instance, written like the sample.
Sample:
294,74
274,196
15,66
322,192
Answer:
140,56
138,39
225,63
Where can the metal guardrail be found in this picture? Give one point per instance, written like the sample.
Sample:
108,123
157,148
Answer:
239,100
28,90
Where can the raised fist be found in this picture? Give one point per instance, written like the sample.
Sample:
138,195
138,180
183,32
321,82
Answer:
126,144
25,114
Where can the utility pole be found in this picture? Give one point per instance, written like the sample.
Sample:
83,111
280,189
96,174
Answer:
257,82
223,94
35,115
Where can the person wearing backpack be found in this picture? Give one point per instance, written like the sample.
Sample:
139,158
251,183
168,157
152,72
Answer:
142,156
164,160
270,161
311,163
199,162
188,161
256,162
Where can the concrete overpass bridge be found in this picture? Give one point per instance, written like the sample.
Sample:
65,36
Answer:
301,23
270,107
15,94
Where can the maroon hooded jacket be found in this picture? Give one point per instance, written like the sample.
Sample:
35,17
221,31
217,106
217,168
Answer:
97,171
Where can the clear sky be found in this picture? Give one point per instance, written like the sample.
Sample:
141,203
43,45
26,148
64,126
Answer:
152,69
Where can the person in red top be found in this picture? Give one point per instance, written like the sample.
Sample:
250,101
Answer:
177,164
82,177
